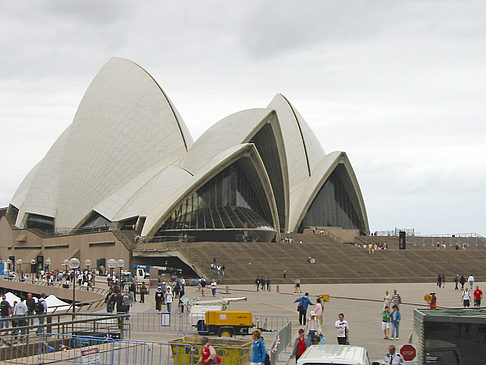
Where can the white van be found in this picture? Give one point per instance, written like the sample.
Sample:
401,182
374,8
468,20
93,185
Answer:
335,354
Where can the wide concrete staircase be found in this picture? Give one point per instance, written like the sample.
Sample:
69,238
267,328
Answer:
335,262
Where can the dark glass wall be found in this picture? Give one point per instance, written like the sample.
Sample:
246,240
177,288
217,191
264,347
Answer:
96,220
336,204
233,199
40,222
266,145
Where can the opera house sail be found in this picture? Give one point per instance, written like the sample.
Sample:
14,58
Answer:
128,160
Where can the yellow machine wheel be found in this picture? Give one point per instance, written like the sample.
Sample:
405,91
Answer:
225,333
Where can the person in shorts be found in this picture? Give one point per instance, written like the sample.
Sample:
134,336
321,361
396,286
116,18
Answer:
466,297
478,295
385,322
342,330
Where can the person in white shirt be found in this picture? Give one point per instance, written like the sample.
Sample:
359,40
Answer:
342,330
470,280
168,298
214,284
466,298
20,311
393,357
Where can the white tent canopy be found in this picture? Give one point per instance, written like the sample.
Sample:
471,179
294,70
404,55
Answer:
53,302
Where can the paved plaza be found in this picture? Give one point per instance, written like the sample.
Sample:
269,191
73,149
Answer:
361,303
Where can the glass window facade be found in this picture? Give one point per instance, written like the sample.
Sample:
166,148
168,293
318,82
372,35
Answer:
233,199
96,220
336,204
40,222
266,145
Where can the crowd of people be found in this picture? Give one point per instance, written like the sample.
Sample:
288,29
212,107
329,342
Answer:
16,313
372,247
262,284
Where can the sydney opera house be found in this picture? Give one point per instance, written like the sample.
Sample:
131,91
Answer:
128,163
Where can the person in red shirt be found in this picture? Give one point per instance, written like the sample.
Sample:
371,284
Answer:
300,345
478,295
208,353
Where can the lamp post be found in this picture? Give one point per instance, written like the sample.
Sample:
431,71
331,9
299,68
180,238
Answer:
120,263
87,263
32,268
9,266
66,263
74,264
19,264
111,263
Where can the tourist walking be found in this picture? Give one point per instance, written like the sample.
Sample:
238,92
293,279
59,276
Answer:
214,284
439,281
319,310
342,330
302,307
478,295
395,318
396,299
257,283
386,300
462,280
313,327
284,273
208,354
258,348
470,280
297,286
159,297
466,298
5,311
433,301
41,309
456,281
385,322
169,297
300,345
20,311
393,357
143,290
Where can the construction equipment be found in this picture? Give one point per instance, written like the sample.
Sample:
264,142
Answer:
225,323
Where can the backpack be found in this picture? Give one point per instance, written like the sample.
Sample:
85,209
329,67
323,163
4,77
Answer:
126,300
39,307
267,359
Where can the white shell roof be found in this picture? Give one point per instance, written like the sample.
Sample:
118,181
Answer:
128,154
123,125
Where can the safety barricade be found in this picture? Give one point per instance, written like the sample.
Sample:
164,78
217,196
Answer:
180,323
71,349
186,323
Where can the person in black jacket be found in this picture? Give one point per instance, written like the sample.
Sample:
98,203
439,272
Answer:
159,296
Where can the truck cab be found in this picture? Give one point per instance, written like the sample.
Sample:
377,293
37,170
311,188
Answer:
335,354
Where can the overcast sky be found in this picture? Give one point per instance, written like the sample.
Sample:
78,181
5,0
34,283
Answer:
399,86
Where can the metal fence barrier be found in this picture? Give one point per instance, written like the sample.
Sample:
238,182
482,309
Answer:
55,348
282,340
185,323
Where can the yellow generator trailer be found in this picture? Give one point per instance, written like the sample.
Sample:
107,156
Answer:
225,323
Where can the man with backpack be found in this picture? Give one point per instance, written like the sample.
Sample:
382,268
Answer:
304,303
125,302
41,309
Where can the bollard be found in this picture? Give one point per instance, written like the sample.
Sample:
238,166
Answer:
227,289
278,288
